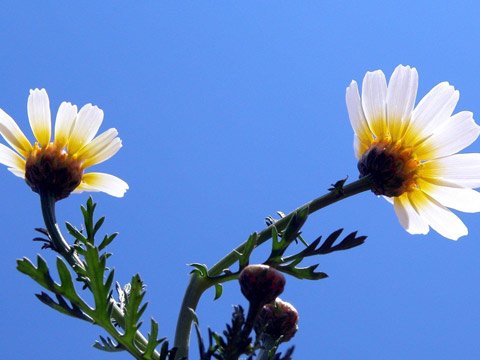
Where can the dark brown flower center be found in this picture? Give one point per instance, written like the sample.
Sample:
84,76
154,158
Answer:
392,167
52,171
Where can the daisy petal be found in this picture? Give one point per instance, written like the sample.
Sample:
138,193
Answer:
438,216
455,135
358,147
355,113
97,144
408,216
38,108
460,169
106,153
431,112
64,123
401,94
374,93
17,172
462,199
13,135
86,126
107,183
11,158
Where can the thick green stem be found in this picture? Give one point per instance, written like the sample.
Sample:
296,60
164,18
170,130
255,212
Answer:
198,285
68,253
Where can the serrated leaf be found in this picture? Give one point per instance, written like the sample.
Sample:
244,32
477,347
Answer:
152,342
303,273
107,345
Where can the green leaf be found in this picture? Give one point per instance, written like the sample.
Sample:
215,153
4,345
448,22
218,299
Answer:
153,342
107,345
303,273
107,240
218,291
200,269
244,258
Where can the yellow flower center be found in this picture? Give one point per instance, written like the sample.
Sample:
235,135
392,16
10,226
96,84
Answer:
391,165
52,170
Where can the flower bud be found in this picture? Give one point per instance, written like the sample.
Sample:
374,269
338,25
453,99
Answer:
278,318
261,284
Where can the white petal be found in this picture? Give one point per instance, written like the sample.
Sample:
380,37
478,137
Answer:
401,94
455,135
358,147
107,183
84,187
408,216
64,123
389,199
11,159
438,216
13,135
106,153
374,93
97,144
17,172
355,113
462,199
435,108
86,126
460,169
38,107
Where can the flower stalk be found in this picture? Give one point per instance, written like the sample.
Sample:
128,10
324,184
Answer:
198,284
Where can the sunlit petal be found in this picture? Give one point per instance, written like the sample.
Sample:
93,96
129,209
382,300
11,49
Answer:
401,95
88,121
13,135
107,183
38,107
64,123
374,93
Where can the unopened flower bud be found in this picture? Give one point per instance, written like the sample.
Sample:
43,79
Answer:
261,284
277,319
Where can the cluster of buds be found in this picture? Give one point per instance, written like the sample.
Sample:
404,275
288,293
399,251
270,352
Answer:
261,285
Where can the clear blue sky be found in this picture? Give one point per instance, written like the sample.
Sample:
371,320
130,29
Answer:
229,111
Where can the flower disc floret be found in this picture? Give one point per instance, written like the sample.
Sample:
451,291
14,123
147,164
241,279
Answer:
52,171
391,166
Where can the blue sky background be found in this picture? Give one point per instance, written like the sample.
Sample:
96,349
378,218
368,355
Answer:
228,112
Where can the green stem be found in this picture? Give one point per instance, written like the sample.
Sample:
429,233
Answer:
198,284
68,253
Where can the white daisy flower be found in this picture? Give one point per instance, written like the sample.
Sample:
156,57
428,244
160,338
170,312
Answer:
411,152
58,167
